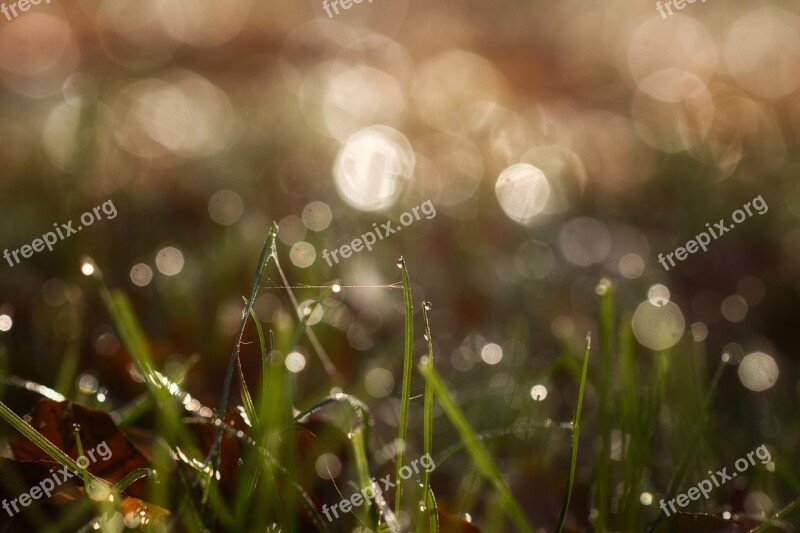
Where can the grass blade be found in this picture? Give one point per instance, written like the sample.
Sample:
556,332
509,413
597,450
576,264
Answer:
602,481
427,437
576,431
44,443
266,252
134,476
476,449
780,515
405,398
692,446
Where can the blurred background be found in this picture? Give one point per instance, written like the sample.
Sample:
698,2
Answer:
563,145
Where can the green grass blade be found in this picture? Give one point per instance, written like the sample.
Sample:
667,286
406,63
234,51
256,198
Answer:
267,251
244,392
44,443
133,477
265,370
692,446
427,436
576,431
605,387
135,342
408,366
476,449
359,445
777,517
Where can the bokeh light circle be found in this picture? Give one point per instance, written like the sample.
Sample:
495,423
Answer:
658,327
372,167
758,371
522,191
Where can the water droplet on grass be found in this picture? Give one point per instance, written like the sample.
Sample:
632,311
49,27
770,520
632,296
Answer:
603,286
539,392
98,491
401,263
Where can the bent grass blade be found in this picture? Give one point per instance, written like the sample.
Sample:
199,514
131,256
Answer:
477,450
575,436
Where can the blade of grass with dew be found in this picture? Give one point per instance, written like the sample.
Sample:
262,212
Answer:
127,414
168,423
427,436
649,419
630,422
34,387
576,433
777,517
278,435
267,251
262,343
602,481
244,392
44,443
408,366
213,458
134,476
359,446
133,339
692,446
248,483
79,445
476,449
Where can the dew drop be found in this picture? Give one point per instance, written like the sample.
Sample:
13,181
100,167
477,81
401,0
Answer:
98,491
87,268
427,337
76,427
401,263
602,287
427,305
539,392
336,288
132,520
